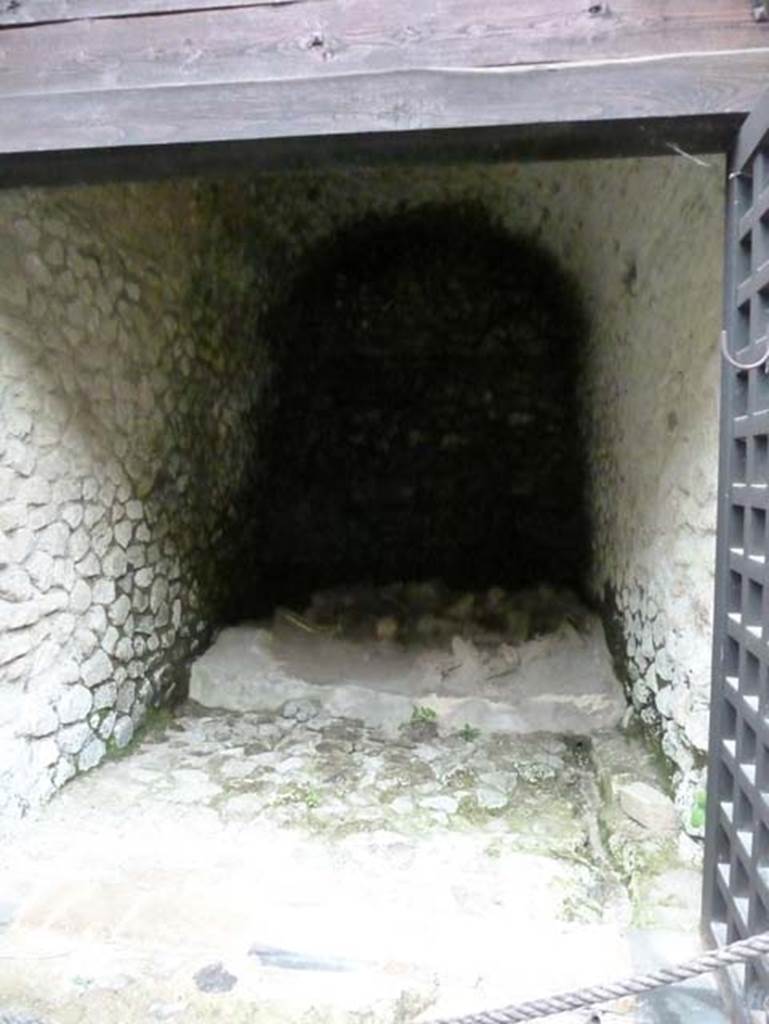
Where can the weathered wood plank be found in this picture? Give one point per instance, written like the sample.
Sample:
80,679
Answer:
36,12
389,102
333,37
32,12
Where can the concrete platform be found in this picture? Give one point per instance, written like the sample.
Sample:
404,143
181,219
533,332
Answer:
560,682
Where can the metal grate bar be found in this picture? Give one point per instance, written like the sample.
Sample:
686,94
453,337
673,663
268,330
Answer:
736,894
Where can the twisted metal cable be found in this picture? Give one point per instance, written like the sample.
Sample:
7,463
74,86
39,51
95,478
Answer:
581,999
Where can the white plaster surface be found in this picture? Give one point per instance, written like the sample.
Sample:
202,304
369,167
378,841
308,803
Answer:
644,240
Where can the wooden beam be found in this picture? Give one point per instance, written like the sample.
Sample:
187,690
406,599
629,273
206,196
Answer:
136,84
386,102
555,141
328,38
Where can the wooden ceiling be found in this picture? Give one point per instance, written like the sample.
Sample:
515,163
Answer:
104,88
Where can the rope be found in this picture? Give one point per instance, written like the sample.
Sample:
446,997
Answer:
735,953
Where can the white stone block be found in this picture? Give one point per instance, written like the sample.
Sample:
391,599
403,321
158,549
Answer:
44,752
15,645
143,578
123,731
126,697
62,671
72,515
80,598
104,592
65,770
68,489
62,627
124,533
91,754
101,538
158,593
96,619
85,642
110,640
39,719
72,738
648,806
40,566
74,704
114,563
78,544
97,669
134,510
104,696
55,539
89,567
120,610
34,491
124,650
15,585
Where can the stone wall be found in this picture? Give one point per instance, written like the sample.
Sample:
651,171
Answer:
424,373
652,283
125,433
643,240
135,385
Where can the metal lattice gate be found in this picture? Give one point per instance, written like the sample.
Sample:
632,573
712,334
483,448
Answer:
736,896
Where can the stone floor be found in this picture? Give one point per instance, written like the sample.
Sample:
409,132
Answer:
291,866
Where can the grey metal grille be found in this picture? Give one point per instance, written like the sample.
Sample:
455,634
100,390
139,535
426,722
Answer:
736,894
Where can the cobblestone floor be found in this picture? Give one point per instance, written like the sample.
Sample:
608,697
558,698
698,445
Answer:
297,867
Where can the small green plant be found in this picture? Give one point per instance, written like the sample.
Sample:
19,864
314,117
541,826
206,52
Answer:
300,793
156,722
698,809
469,732
423,713
311,798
